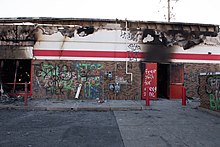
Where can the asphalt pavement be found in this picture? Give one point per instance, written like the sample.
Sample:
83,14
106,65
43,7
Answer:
21,128
165,123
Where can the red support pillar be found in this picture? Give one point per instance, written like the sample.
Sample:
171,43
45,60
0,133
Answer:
147,97
25,95
183,96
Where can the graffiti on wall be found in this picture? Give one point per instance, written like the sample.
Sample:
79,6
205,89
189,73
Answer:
88,69
56,79
191,79
64,79
150,81
213,90
133,48
59,79
135,36
92,87
91,76
150,75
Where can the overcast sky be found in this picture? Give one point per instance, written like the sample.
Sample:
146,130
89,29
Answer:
191,11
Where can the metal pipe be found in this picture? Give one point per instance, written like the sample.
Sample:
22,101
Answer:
78,91
126,68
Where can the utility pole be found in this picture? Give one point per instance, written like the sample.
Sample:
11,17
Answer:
168,10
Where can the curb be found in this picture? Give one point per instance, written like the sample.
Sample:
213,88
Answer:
126,108
10,107
93,109
215,113
7,107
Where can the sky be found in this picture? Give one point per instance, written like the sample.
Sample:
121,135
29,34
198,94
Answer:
189,11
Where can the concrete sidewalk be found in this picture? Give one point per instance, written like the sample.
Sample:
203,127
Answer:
76,105
95,105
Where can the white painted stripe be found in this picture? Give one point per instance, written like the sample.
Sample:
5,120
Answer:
118,47
194,61
80,46
86,59
209,73
118,59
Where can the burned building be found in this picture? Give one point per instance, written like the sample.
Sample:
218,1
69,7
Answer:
113,59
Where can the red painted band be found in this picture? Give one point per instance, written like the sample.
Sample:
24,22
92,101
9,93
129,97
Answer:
104,54
112,54
194,56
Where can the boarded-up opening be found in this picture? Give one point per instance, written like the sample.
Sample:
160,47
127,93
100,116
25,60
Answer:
14,74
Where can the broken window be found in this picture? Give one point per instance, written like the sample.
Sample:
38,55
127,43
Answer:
14,74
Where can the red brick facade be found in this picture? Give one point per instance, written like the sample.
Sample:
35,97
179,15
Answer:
191,76
61,79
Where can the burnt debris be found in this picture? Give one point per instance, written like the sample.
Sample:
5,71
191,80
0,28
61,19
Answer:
85,31
185,39
17,33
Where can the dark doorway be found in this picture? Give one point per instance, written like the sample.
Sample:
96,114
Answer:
14,74
163,74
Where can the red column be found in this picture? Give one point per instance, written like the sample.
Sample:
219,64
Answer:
25,95
183,96
147,97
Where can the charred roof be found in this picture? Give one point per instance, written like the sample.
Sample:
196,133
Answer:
162,26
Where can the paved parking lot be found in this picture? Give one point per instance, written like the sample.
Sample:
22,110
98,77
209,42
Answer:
165,123
168,128
58,129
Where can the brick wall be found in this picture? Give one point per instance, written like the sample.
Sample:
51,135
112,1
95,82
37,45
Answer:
61,79
209,91
191,76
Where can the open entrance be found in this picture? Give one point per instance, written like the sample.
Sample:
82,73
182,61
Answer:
13,75
163,74
162,80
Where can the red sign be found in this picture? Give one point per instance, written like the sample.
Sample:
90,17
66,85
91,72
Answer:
150,81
